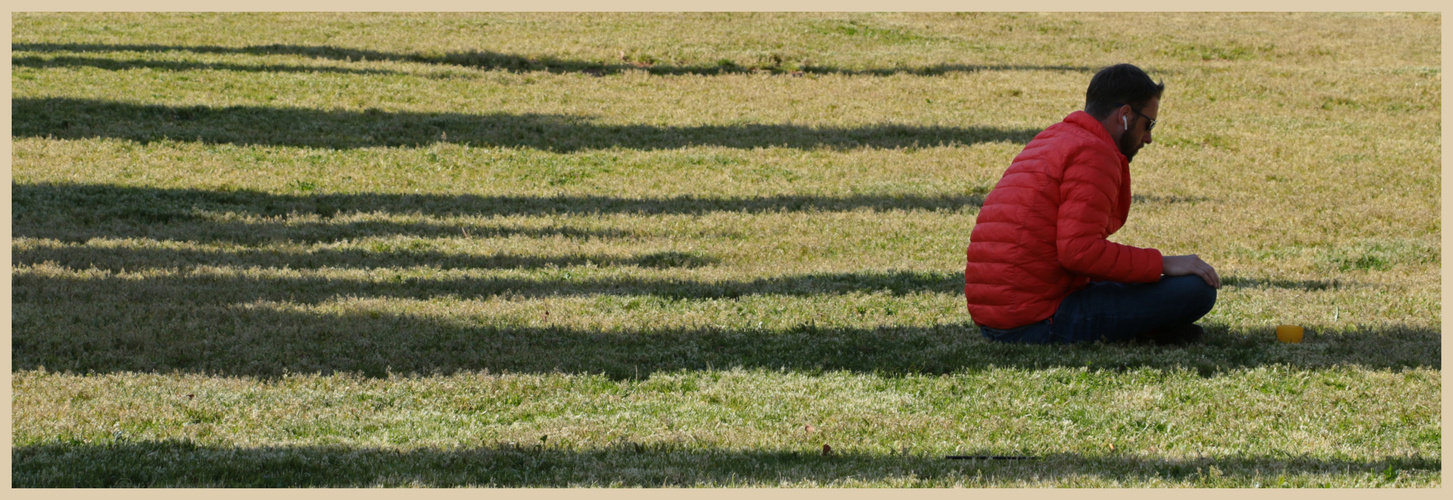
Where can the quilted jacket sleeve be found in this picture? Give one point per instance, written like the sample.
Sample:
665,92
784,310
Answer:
1089,194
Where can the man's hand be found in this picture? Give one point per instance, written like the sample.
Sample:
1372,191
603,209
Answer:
1181,265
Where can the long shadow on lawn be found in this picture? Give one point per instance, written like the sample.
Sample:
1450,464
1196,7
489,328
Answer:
125,64
488,60
247,287
82,226
184,464
1304,285
75,213
119,260
67,118
42,209
244,326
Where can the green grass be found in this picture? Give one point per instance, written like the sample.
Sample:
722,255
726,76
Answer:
692,249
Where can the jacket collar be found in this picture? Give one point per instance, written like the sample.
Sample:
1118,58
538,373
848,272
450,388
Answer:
1083,120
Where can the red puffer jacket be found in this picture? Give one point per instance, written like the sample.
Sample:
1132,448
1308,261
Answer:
1040,235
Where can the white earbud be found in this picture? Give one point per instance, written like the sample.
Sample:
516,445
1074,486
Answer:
1125,123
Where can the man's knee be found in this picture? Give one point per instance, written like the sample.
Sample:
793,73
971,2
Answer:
1208,298
1200,294
1192,291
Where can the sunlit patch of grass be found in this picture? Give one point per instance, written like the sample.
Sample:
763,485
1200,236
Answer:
1168,428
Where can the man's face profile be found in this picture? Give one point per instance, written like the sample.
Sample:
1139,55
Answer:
1137,137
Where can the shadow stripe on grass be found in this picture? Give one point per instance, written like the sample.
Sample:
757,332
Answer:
176,463
223,326
99,203
203,230
119,259
68,118
123,259
116,259
313,288
489,60
128,64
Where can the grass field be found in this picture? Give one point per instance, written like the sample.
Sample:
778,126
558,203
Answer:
543,250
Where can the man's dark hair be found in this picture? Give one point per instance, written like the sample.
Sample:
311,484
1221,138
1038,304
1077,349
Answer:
1119,85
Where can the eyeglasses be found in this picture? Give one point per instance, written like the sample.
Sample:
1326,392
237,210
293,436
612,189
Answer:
1148,126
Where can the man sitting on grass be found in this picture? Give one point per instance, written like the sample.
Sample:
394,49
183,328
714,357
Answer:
1039,267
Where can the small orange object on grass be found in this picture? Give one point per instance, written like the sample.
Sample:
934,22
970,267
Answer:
1290,334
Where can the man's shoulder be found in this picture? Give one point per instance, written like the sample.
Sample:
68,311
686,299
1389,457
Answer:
1073,132
1062,141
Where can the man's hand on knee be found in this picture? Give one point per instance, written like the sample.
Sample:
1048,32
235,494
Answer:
1181,265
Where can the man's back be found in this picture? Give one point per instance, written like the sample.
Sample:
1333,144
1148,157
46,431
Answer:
1069,184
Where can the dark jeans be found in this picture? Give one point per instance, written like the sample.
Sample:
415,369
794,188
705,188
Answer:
1114,312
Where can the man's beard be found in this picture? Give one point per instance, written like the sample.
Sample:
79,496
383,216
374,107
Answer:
1128,145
